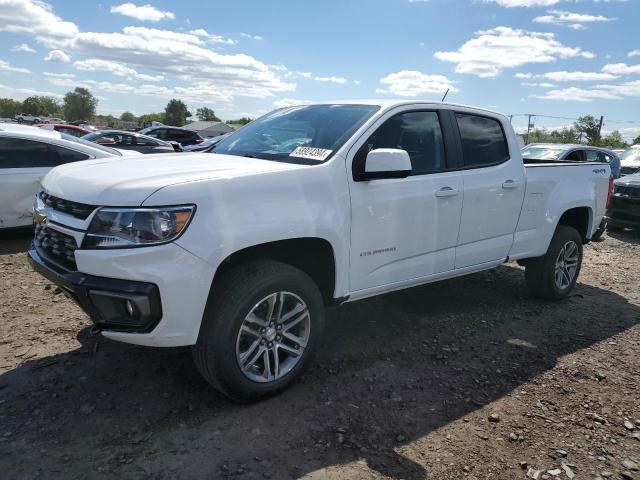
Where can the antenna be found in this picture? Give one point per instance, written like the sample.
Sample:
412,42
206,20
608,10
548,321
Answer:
445,95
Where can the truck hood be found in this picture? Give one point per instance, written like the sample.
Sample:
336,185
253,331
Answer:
129,181
631,162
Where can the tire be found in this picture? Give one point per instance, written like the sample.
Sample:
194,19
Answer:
221,346
540,273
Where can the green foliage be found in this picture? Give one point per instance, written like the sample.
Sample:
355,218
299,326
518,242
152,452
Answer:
41,106
563,135
589,127
176,113
241,121
613,140
151,117
80,104
636,140
9,108
128,117
206,115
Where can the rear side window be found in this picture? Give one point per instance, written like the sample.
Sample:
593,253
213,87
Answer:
593,155
20,153
483,140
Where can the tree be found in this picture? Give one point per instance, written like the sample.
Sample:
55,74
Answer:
613,140
176,113
589,127
40,105
563,135
79,105
128,117
206,115
151,117
241,121
9,108
636,140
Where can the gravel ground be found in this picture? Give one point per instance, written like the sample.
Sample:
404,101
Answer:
463,379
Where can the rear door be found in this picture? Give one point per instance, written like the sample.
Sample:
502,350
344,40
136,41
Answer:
23,163
405,228
494,185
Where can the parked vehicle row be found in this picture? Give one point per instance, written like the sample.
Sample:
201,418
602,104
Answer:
572,153
26,155
131,141
306,207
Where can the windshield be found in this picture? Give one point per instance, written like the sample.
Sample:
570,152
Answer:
87,143
631,154
305,134
542,153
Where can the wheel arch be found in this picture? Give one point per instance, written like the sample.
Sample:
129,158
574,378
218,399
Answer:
313,255
580,218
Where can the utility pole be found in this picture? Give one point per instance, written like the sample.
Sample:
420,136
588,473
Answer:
528,127
600,127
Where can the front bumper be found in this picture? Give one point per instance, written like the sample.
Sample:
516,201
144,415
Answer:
112,304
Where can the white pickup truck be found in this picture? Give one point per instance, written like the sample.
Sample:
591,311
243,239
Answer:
238,251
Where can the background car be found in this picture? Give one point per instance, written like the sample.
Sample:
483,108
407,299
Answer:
206,145
26,155
624,209
572,153
181,135
65,128
630,161
26,118
124,140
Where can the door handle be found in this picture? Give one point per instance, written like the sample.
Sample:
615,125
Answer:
508,184
446,192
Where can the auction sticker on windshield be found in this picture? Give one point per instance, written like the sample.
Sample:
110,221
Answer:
319,154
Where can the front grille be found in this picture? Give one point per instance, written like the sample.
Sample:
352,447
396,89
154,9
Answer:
627,191
78,210
55,246
629,170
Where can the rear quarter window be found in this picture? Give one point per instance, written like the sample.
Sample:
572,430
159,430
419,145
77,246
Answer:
483,140
22,153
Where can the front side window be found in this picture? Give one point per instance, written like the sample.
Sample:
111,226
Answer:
306,134
575,156
21,153
483,140
418,133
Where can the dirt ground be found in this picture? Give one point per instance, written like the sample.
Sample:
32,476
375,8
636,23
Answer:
464,379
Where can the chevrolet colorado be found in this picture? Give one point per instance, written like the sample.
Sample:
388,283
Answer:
237,252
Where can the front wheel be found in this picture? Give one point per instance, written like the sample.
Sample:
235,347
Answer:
554,275
260,329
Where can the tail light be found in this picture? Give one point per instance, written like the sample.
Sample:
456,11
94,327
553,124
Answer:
199,141
610,193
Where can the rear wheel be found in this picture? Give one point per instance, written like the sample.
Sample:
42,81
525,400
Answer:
261,328
554,275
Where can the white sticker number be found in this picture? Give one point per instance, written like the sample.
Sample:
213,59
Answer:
319,154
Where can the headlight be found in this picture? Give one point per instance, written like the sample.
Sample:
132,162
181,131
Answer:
136,227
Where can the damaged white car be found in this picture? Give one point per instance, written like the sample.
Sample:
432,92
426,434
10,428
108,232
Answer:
26,155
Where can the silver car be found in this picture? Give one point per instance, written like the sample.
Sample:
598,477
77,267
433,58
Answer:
572,153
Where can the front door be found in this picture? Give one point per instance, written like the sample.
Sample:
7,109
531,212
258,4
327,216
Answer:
405,228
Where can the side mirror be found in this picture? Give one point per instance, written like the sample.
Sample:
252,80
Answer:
387,163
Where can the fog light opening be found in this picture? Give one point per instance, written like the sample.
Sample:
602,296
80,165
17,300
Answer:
132,310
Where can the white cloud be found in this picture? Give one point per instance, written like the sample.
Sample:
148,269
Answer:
210,37
144,13
5,67
411,83
23,47
576,21
290,102
523,3
524,76
574,94
57,56
20,93
339,80
540,84
621,69
495,50
253,37
36,18
564,76
634,53
58,75
115,68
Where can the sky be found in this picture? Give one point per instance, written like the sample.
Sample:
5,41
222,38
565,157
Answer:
557,58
